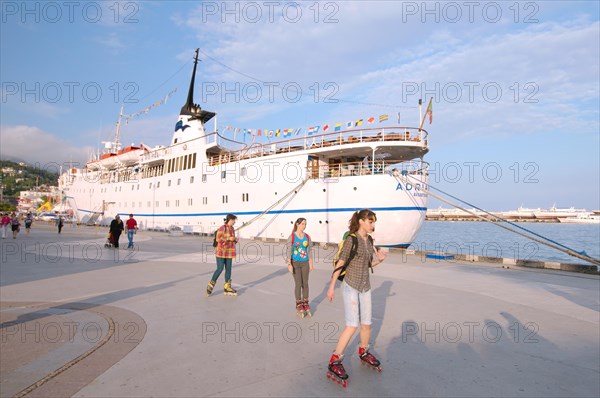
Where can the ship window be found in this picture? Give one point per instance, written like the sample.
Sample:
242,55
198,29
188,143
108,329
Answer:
150,186
167,203
225,199
175,142
223,175
245,197
177,203
191,179
158,184
138,187
190,202
132,187
243,172
149,204
169,183
132,204
156,204
141,204
203,177
205,200
194,161
179,181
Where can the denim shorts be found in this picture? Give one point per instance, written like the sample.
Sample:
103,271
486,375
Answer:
356,306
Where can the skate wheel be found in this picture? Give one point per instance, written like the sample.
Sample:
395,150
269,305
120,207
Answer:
345,383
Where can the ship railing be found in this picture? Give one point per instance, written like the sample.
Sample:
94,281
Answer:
387,166
411,135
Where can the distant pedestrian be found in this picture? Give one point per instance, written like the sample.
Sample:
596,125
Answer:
15,225
300,263
28,222
225,253
131,226
356,289
116,227
4,225
60,223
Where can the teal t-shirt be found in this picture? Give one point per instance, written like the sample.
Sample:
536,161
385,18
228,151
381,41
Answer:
300,249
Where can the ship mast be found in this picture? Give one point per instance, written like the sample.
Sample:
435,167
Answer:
191,109
118,133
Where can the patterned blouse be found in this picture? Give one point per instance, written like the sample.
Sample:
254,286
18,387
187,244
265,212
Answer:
225,247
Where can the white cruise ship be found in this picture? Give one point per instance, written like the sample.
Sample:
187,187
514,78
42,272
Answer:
200,176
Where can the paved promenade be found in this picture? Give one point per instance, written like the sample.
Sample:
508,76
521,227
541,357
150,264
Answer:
81,320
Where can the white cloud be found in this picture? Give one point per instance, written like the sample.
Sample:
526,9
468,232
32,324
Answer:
36,146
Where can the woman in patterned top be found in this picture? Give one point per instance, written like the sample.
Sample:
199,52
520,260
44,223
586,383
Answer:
356,290
300,262
225,253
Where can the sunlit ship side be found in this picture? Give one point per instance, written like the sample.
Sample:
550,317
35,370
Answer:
201,176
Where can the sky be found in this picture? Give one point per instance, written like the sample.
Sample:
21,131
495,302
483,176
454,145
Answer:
515,85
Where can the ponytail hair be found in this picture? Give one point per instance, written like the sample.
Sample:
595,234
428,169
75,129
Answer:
364,214
298,221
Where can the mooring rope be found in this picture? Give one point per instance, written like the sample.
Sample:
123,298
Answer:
553,244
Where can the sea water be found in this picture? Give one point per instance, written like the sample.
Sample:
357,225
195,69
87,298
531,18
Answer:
486,239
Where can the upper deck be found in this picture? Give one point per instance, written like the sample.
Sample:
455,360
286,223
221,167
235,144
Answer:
398,143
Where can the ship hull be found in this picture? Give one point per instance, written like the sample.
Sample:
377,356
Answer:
326,203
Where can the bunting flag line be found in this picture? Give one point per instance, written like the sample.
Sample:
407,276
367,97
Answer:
325,128
158,103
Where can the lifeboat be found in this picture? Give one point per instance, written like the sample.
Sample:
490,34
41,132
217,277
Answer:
130,155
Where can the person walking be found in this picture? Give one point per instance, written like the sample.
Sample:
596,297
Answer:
225,253
300,263
356,289
28,222
60,223
4,225
116,227
15,225
131,226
